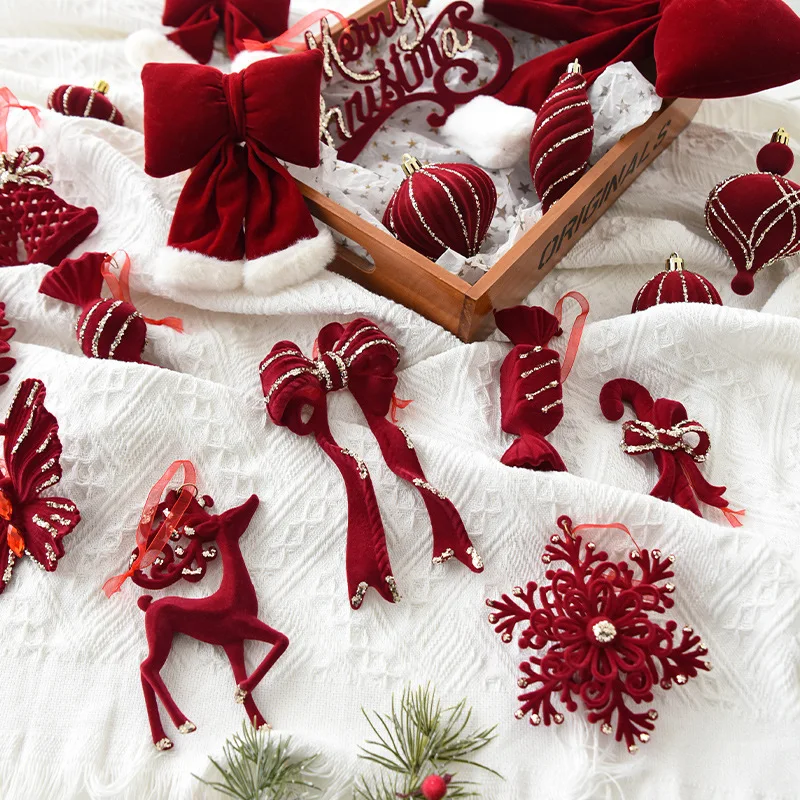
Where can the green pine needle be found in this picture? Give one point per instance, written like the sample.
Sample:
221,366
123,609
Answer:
258,767
418,738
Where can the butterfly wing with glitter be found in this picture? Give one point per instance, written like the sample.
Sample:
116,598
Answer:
32,452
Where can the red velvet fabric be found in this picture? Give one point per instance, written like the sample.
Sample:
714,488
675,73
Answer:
106,328
34,215
78,101
676,286
227,618
701,48
597,636
661,428
562,137
238,200
197,22
753,217
6,332
32,524
359,356
530,388
443,206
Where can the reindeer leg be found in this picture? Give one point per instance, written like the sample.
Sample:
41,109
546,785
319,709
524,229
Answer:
260,632
235,653
160,738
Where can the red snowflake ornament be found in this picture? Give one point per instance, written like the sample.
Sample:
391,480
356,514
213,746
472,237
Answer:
594,621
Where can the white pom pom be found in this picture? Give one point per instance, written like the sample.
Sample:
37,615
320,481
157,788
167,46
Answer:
244,58
144,47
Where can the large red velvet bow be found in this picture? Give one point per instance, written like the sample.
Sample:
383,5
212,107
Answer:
359,356
661,428
701,48
197,22
238,200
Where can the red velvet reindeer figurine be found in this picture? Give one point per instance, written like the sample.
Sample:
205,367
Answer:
226,618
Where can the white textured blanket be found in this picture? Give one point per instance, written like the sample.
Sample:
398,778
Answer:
73,723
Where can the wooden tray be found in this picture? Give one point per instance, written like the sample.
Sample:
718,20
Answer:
407,277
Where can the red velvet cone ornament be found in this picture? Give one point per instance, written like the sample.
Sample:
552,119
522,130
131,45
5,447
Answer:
676,285
106,328
78,101
441,206
6,332
597,635
561,142
755,217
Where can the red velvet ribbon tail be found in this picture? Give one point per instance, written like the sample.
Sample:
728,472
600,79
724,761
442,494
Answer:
575,334
151,546
367,557
8,101
286,39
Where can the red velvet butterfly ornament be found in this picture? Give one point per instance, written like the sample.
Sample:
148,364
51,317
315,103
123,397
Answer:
32,525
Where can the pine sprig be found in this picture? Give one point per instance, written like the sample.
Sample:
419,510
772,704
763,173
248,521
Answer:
260,767
419,737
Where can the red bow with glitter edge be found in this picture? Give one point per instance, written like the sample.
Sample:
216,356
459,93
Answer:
661,429
197,22
238,200
361,357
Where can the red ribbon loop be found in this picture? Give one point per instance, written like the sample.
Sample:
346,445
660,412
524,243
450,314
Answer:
286,39
576,333
8,101
149,552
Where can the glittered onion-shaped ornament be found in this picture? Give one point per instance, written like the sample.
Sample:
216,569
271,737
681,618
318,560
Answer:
78,101
755,217
562,137
441,206
675,285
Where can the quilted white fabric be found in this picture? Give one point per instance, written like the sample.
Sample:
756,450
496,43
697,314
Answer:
73,723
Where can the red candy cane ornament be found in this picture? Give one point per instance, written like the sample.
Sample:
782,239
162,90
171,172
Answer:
597,635
663,429
531,380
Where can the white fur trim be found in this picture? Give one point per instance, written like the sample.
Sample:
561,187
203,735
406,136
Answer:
296,264
493,134
144,47
185,269
244,58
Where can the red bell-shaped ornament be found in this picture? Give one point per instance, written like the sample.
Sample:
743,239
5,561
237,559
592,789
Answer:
561,142
755,217
675,285
78,101
441,206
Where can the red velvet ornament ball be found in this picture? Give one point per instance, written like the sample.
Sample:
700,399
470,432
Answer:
755,217
561,142
434,787
78,101
441,206
675,285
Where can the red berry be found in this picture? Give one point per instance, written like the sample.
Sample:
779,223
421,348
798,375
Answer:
434,787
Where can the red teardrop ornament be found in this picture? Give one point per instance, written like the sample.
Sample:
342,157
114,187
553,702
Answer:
675,285
441,206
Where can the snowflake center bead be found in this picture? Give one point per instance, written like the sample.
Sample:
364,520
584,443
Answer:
603,631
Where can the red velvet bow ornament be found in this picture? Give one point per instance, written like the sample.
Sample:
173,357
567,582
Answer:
106,328
531,381
597,622
197,23
702,48
754,217
6,332
239,200
675,285
360,357
30,524
663,429
561,142
78,101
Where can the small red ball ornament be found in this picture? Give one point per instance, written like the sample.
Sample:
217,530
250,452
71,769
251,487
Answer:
675,285
78,101
441,206
434,787
561,142
755,217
